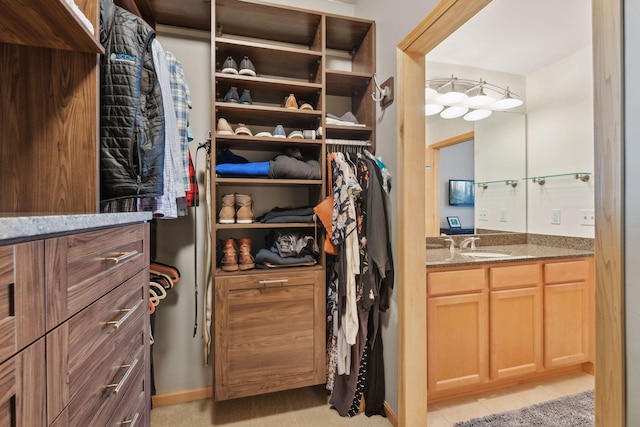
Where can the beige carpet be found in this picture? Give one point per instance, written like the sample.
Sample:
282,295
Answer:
306,407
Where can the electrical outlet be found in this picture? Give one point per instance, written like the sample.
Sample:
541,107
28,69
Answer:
483,214
555,216
502,214
587,217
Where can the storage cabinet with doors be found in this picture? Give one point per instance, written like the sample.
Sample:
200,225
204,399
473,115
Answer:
500,323
457,329
290,49
568,312
516,320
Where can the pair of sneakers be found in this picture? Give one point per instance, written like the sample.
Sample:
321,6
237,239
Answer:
224,128
232,96
230,66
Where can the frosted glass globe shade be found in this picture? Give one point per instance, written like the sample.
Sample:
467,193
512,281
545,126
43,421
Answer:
453,112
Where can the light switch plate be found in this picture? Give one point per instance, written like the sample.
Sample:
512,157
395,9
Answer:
555,216
503,214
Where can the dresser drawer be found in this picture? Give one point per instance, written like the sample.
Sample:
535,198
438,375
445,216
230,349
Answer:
455,282
21,296
75,348
97,400
133,410
566,272
22,394
516,276
83,267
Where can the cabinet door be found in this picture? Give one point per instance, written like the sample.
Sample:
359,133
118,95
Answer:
458,340
516,332
566,324
269,332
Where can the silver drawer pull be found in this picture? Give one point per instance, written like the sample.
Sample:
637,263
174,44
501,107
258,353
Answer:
117,323
117,386
121,257
132,422
264,282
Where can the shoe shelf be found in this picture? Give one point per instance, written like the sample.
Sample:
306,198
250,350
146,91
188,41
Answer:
253,143
268,181
283,62
266,226
268,90
258,272
261,115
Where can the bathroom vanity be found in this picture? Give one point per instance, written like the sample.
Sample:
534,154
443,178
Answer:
501,315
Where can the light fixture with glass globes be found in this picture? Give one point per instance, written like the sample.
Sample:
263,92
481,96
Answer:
454,97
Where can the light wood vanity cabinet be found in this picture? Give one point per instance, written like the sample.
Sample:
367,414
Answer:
458,329
75,368
516,320
498,323
568,302
269,332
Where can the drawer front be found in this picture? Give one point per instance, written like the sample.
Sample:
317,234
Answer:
22,395
83,267
455,282
516,276
96,402
76,348
133,410
567,272
269,333
21,296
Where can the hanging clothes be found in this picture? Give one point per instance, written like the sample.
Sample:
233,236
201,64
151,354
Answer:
360,230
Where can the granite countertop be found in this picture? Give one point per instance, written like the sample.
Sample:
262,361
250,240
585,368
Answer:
513,253
25,226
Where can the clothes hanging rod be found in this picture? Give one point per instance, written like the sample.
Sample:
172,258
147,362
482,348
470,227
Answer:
348,142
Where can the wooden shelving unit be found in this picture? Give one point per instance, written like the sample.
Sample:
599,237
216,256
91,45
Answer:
293,51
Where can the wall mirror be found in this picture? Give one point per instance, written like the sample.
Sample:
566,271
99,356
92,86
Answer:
499,48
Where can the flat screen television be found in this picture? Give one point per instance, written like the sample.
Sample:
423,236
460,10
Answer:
461,192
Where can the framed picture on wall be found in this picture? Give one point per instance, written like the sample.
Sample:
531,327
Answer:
454,222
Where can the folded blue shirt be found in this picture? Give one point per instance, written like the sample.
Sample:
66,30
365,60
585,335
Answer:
245,169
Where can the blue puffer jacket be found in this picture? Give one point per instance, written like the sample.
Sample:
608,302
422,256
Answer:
131,117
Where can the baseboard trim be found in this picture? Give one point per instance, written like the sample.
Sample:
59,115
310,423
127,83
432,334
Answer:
182,396
391,416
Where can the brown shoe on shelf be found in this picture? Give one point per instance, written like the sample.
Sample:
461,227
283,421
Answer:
230,256
246,261
244,214
227,214
290,102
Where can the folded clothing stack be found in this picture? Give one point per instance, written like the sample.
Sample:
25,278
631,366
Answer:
347,119
288,249
282,215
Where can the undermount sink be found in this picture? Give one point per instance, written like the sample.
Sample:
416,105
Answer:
485,254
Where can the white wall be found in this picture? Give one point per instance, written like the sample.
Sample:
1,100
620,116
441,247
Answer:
631,263
177,354
393,24
560,141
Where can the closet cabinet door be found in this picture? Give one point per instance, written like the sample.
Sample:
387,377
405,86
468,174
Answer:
269,332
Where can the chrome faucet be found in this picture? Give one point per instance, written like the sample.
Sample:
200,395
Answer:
469,241
452,243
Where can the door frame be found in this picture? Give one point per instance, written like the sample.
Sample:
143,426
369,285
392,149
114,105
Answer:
444,19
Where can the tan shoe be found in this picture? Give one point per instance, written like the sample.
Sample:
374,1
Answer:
244,213
230,256
224,128
227,214
290,102
246,261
